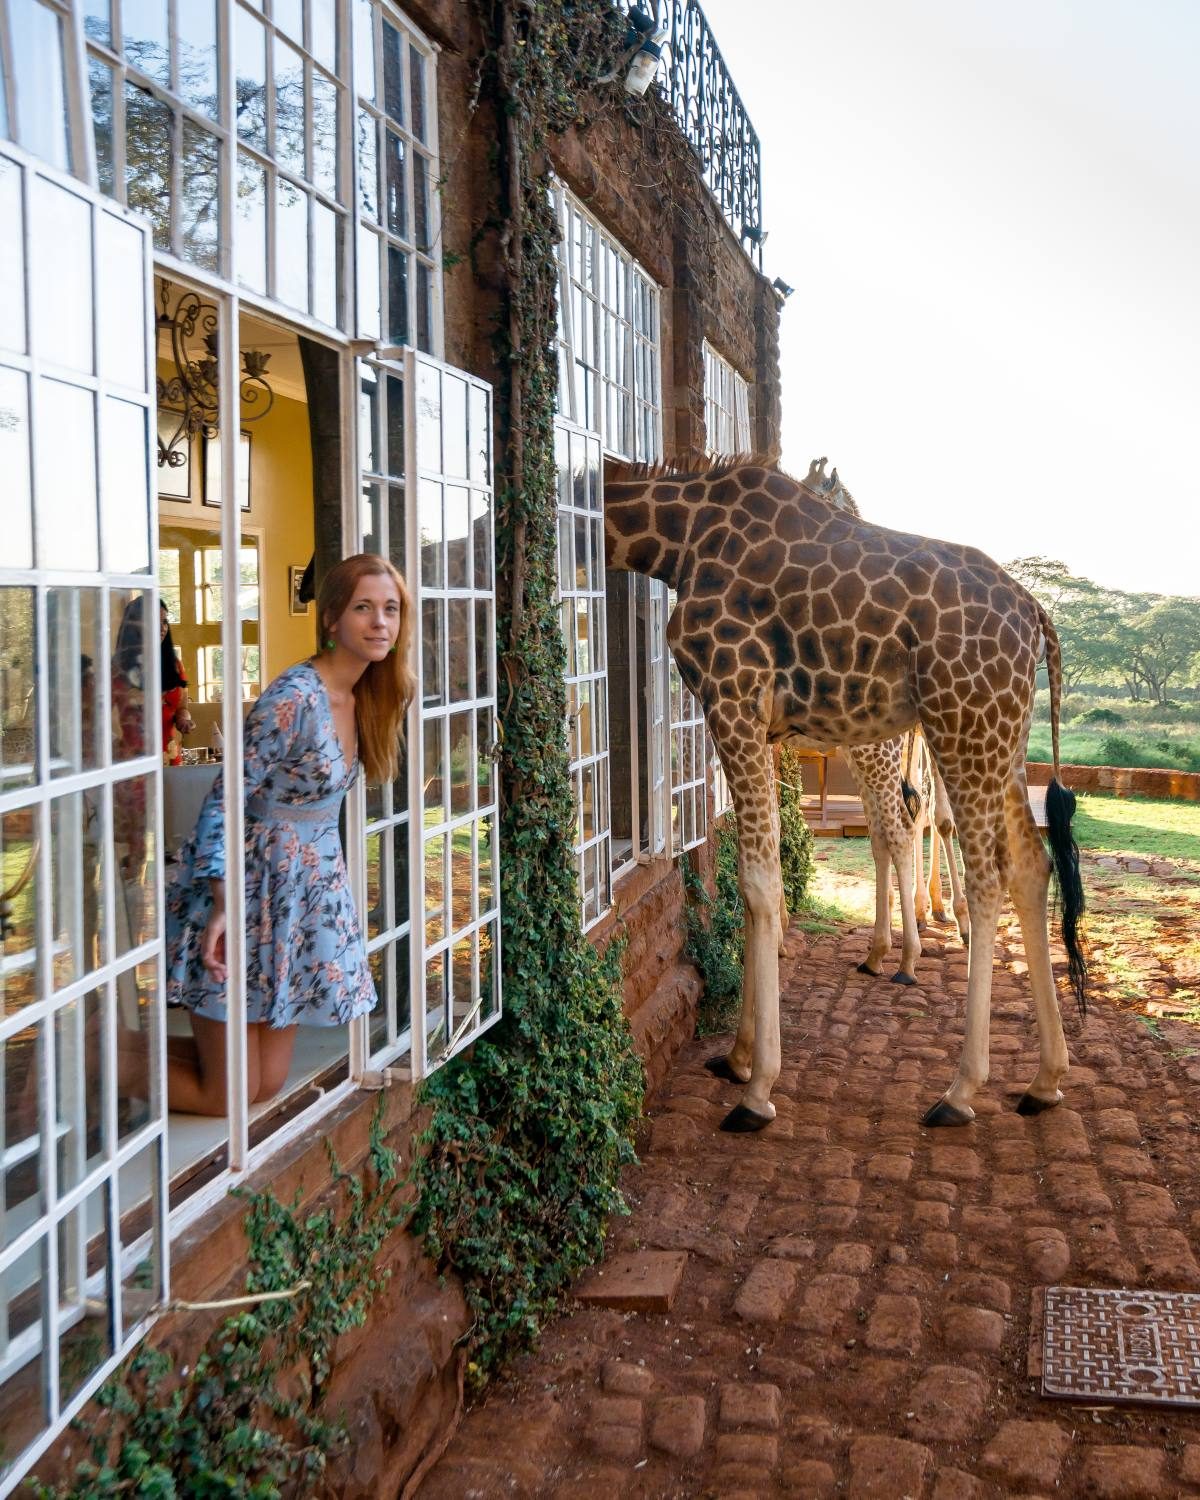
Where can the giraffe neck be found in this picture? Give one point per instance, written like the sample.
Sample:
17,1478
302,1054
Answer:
646,525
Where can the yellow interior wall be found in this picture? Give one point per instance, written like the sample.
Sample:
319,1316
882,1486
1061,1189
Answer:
281,517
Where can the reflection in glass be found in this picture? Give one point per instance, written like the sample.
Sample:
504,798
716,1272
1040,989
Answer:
433,652
458,639
435,889
37,63
481,437
429,523
370,454
457,540
250,86
380,977
77,899
289,107
454,425
400,878
14,464
67,531
485,740
81,1074
364,49
137,1044
429,418
76,659
97,23
291,244
372,519
144,24
289,15
251,237
149,148
133,839
20,1309
424,302
324,134
121,311
393,91
196,30
200,199
397,295
368,283
462,767
485,868
21,877
368,167
434,773
395,426
100,84
137,1203
325,264
437,1035
462,984
12,262
416,84
397,549
84,1302
132,673
421,224
324,33
394,156
483,648
61,273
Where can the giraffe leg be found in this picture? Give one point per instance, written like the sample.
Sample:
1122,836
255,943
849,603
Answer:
920,890
761,885
881,938
958,899
901,845
1029,879
937,902
981,834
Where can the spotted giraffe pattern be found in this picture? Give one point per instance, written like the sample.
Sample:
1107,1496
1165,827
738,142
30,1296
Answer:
796,620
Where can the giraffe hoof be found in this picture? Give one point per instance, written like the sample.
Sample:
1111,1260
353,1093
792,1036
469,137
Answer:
743,1121
1030,1104
922,924
720,1067
900,977
867,969
945,1113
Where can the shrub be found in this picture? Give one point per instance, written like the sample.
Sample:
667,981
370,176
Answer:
1119,751
1102,716
795,836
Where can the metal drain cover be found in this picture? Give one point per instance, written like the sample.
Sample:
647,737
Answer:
1117,1345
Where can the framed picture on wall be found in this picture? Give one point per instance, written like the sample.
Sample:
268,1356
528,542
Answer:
296,572
212,470
174,480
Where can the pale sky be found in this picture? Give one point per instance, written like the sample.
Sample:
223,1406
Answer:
990,214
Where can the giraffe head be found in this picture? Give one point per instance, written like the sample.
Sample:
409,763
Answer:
829,486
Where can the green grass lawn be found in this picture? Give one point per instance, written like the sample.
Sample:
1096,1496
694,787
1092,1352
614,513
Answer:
1135,745
1140,826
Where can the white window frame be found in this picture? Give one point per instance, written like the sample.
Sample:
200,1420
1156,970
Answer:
108,1283
726,405
689,776
610,384
585,635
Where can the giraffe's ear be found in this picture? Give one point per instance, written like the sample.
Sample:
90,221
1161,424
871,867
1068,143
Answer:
816,471
834,481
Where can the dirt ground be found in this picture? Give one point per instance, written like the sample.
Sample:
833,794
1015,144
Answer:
855,1310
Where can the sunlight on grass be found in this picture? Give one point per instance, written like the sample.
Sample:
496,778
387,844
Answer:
1139,825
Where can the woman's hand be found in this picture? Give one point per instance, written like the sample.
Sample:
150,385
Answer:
184,722
212,947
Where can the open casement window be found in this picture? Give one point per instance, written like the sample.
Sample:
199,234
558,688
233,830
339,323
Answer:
689,803
83,1254
439,982
726,405
582,608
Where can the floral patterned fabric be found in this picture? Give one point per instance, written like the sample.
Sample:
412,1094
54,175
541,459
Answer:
305,959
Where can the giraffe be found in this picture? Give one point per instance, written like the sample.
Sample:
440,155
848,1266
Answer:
895,811
793,619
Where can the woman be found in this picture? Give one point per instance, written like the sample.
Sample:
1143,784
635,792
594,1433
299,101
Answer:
305,740
176,719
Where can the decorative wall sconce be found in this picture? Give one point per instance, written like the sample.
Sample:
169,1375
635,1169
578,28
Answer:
645,30
186,339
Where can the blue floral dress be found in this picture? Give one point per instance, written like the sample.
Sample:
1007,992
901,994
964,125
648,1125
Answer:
305,959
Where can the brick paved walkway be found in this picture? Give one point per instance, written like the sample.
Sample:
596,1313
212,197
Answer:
854,1314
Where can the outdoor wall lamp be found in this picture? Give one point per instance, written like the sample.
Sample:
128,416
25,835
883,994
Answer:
647,36
782,288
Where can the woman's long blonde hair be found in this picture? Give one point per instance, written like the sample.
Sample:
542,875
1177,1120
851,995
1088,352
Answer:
384,691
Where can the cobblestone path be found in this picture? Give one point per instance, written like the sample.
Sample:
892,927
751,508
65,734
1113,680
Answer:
854,1315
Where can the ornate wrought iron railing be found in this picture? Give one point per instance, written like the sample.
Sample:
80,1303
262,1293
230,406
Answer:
694,79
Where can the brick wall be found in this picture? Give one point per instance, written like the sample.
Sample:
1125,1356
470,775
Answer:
1125,781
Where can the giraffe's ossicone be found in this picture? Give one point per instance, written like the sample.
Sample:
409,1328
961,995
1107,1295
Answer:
796,620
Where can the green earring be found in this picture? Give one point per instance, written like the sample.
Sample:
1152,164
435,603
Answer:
391,650
329,645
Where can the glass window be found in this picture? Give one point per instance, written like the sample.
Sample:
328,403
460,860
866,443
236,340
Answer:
39,106
397,170
726,405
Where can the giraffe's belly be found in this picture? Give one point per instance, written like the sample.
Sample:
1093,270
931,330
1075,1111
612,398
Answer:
829,729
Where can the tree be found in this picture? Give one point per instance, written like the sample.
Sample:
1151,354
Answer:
1162,642
1085,616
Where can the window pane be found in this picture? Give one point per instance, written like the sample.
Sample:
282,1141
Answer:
144,23
397,295
251,234
324,134
421,224
19,851
393,102
77,892
14,465
291,244
395,426
250,100
397,200
97,22
368,166
459,643
18,700
289,16
84,1300
200,203
368,283
12,261
289,108
325,264
429,520
197,30
121,312
77,659
424,300
432,653
133,838
462,775
79,1055
62,275
416,64
457,539
66,468
149,145
37,56
124,508
435,889
364,49
100,80
324,34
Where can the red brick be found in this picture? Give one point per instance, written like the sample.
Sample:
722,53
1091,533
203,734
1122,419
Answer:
1061,1135
1165,1258
1047,1254
947,1404
1027,1453
677,1425
895,1323
1119,1125
979,1289
1143,1203
887,1468
973,1328
757,1405
939,1247
850,1257
957,1484
941,1192
1124,1473
1077,1188
890,1168
960,1163
931,1215
791,1247
1189,1467
610,1441
645,1281
809,1477
759,1449
765,1292
620,1378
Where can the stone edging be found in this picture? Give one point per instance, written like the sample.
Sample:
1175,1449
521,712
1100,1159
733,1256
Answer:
1125,781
